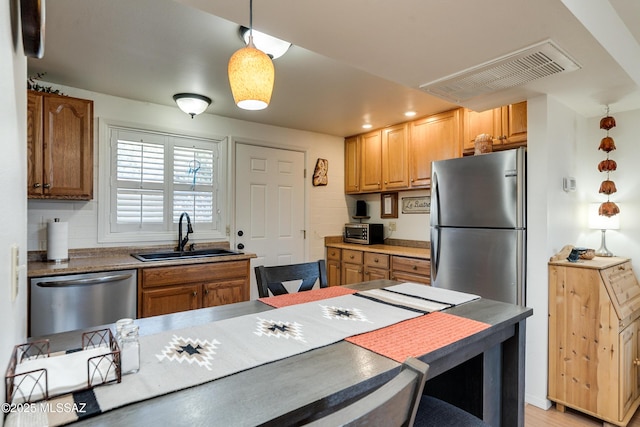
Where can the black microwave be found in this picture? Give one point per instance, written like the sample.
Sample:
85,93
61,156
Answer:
364,234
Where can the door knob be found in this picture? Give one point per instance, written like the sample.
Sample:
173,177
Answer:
240,246
240,233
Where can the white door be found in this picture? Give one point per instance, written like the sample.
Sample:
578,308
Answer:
269,206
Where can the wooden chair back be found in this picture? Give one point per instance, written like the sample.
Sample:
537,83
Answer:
272,278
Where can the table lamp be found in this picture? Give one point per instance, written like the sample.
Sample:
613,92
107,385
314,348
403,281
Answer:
603,223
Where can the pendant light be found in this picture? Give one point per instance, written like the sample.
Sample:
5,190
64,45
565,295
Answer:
251,74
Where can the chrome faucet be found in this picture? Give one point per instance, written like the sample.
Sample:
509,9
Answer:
182,243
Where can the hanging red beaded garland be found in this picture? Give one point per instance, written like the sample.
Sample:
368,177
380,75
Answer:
607,186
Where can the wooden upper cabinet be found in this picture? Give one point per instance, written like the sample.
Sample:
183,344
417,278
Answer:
60,147
371,161
436,137
507,125
35,145
352,164
515,130
477,123
399,157
395,156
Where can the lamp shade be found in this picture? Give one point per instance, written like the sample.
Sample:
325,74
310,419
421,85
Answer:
251,76
270,45
192,103
601,222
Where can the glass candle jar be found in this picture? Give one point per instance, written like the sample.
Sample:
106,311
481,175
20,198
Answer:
129,349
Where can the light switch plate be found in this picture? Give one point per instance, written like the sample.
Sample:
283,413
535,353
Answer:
568,184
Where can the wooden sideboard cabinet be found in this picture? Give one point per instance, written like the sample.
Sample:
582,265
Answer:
59,147
164,290
594,351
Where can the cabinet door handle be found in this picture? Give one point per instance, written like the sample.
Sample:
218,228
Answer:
37,185
47,186
636,362
415,267
206,291
195,294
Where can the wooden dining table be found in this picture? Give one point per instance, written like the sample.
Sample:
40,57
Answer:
483,372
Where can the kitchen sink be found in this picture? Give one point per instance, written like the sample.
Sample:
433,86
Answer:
201,253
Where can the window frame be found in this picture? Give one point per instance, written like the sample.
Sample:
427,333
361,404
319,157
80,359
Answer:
107,182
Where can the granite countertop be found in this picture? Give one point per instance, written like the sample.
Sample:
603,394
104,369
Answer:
389,249
92,260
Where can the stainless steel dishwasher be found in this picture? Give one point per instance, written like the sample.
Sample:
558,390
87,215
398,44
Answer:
66,303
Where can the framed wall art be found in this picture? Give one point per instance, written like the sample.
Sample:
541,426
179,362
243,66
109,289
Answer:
389,205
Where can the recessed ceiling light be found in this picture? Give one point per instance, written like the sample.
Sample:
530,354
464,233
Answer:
367,126
410,113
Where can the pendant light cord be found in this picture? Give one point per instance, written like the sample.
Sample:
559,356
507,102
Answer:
250,19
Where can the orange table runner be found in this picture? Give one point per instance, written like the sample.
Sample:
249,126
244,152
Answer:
418,336
306,296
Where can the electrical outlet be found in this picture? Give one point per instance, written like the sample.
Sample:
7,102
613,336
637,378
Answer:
392,226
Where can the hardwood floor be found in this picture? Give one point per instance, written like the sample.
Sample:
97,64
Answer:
536,417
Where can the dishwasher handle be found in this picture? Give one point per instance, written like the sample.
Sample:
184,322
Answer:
83,282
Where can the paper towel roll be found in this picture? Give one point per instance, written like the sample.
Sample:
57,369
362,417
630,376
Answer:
57,240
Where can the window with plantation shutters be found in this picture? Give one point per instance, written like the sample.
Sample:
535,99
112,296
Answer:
155,177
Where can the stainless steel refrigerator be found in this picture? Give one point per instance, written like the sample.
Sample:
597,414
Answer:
478,225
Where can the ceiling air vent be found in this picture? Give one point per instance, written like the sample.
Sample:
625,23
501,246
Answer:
514,69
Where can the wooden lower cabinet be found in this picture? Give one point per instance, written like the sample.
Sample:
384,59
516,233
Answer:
594,354
376,266
411,270
334,257
164,290
171,299
347,266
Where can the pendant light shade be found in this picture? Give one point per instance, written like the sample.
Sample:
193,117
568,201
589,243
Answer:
251,76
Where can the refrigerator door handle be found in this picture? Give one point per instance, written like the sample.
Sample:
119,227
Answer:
435,252
435,200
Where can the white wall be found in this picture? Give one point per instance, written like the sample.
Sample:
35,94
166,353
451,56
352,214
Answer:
408,226
551,222
13,210
326,209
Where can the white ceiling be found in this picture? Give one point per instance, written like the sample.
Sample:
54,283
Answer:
352,61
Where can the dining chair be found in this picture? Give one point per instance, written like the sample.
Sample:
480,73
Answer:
272,278
393,404
433,412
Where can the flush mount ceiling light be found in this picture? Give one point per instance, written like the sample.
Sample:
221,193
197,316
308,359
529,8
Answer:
192,103
270,45
251,74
